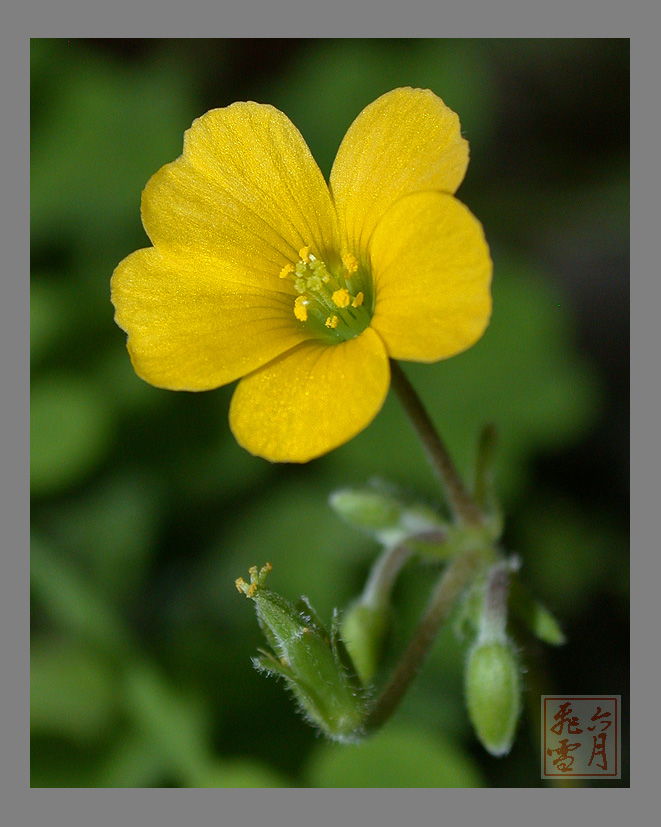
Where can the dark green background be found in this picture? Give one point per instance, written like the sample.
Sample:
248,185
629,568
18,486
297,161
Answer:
144,510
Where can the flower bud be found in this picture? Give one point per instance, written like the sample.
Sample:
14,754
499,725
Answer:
493,694
364,628
315,665
367,509
381,510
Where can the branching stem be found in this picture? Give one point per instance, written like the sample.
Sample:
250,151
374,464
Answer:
459,571
456,577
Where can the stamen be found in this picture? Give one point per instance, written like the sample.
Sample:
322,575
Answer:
300,309
327,297
341,297
256,580
350,262
242,586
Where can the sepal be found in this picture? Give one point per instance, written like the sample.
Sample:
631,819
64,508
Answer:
314,663
534,615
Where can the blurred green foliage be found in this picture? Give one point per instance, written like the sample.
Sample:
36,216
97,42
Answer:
144,509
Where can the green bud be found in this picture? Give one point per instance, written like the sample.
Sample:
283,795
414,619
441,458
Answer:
381,510
314,664
366,509
419,518
493,694
364,629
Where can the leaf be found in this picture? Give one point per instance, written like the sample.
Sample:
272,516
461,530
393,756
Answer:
49,317
422,760
570,554
242,773
536,617
111,528
71,430
73,690
175,723
292,527
101,129
72,602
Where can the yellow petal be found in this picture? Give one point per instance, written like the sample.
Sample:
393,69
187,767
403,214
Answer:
189,329
408,140
312,399
246,191
432,273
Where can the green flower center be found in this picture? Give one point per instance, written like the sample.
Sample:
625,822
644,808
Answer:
335,305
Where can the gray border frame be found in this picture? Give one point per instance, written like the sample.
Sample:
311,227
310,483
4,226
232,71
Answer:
319,807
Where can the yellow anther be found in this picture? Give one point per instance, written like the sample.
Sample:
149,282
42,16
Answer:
300,310
304,254
332,321
256,580
341,298
350,262
286,270
358,300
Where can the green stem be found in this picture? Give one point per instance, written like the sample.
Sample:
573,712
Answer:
459,499
456,577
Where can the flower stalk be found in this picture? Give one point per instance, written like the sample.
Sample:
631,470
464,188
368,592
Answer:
366,622
384,573
455,578
460,501
483,490
460,571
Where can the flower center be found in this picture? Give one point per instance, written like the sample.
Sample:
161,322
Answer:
334,305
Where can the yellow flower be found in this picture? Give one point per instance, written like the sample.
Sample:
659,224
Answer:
260,271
